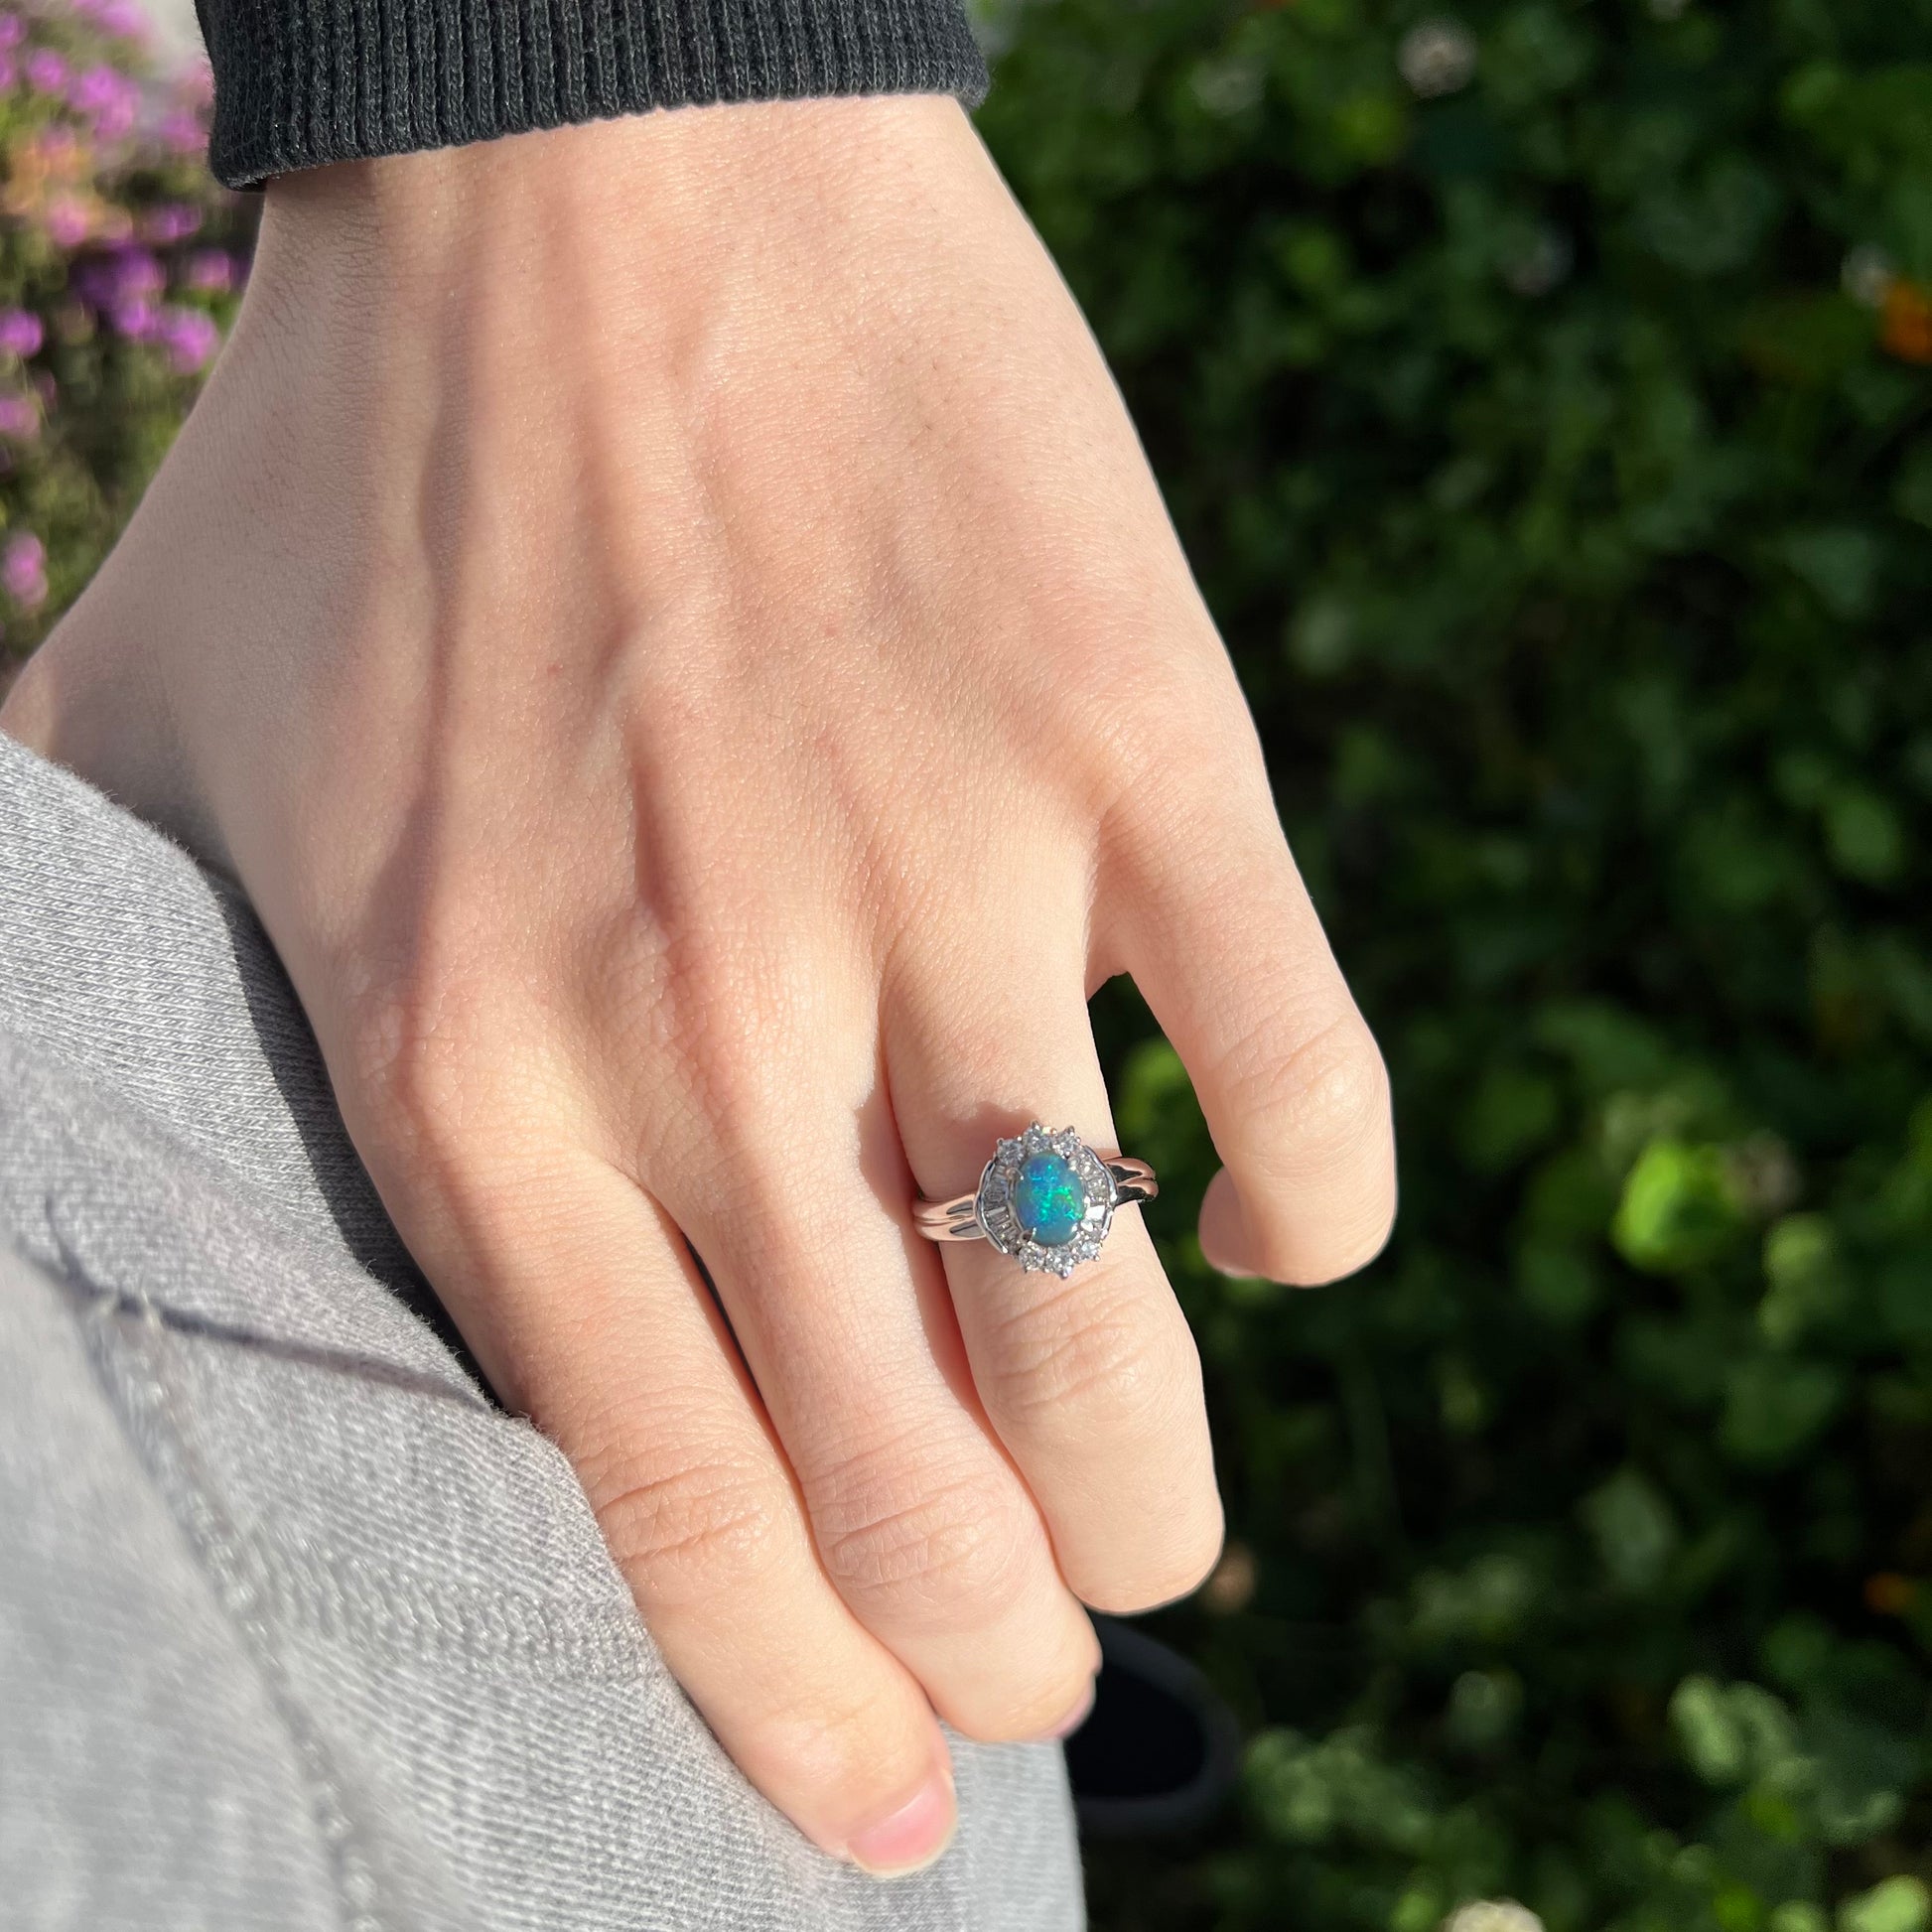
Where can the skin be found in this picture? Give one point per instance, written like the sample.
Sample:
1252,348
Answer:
671,626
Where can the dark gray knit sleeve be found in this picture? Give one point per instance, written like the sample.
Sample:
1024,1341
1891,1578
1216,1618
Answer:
300,83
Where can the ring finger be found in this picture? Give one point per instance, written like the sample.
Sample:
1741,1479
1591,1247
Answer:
1092,1381
921,1522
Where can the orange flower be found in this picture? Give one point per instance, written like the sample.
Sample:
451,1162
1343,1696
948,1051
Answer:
1906,322
1887,1594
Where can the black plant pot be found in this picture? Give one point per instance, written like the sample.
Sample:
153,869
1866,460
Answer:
1159,1753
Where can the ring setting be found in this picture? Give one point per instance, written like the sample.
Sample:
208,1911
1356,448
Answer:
1046,1199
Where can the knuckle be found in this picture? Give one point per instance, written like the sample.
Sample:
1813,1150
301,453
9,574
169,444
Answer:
716,1001
1316,1122
411,1066
730,1080
698,1527
730,1036
1323,1103
1088,1358
1155,798
937,1550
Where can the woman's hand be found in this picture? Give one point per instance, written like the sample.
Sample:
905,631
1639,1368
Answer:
670,625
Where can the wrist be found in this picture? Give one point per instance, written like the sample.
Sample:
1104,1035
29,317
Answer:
617,209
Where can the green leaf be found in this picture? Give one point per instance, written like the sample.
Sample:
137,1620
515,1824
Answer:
1775,1407
1512,1112
1863,834
1808,1286
1900,1904
1732,1734
1680,1208
1841,565
1634,1530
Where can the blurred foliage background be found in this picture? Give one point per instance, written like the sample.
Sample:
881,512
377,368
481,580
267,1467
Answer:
1544,391
120,263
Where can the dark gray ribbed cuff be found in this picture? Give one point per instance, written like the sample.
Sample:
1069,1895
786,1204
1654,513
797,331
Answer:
300,83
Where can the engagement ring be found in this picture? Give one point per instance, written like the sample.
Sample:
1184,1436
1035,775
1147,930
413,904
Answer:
1046,1199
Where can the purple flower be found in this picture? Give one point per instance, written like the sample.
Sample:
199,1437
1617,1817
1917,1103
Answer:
67,221
128,279
110,100
190,338
135,318
9,73
21,333
180,131
13,30
137,273
210,271
170,222
22,570
92,88
47,72
119,18
19,417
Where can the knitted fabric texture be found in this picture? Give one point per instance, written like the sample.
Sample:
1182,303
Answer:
302,83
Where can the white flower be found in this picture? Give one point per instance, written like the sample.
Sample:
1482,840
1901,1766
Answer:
1867,275
1492,1915
1436,56
1538,268
1227,87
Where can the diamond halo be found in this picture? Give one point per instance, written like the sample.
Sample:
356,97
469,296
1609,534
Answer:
993,1208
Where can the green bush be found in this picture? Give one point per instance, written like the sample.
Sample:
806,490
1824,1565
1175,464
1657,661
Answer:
1544,392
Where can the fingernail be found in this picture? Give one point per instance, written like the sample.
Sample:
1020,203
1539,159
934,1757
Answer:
1074,1718
910,1837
